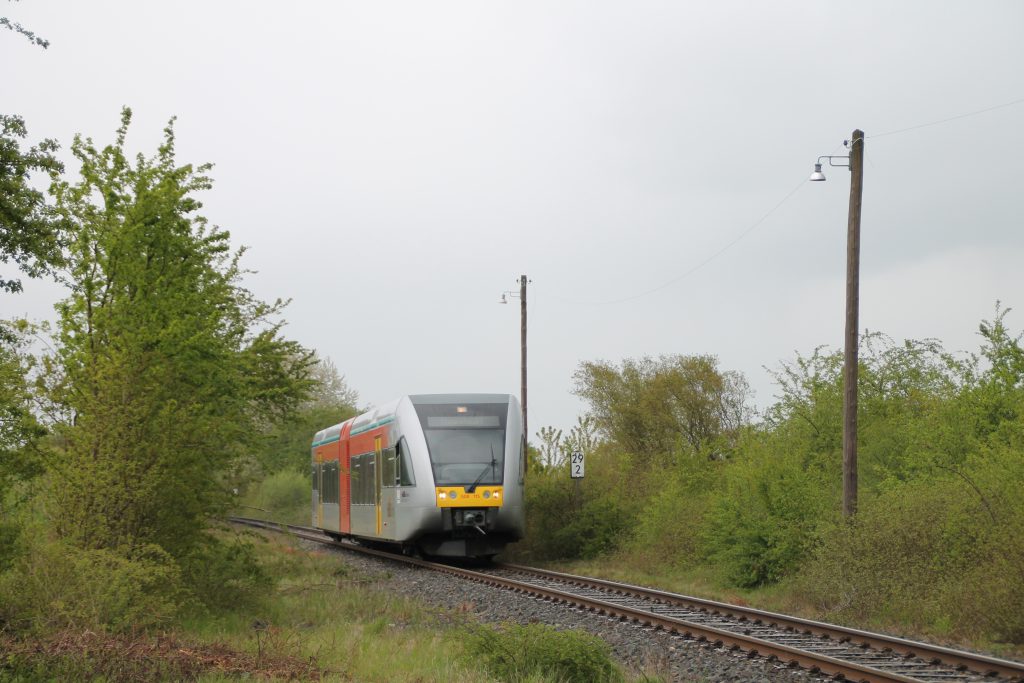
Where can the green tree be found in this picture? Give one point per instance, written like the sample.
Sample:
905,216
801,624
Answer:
29,235
582,438
287,443
550,453
676,403
166,368
19,433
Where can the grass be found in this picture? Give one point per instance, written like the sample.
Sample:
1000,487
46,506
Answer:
324,611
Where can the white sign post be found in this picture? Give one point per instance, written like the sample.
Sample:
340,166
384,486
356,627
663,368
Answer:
576,465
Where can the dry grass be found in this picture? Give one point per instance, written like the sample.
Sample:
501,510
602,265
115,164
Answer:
71,655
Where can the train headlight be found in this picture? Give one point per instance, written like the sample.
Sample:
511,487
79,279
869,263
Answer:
442,495
487,494
454,495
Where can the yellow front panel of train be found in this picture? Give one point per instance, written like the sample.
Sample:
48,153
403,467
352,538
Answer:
482,497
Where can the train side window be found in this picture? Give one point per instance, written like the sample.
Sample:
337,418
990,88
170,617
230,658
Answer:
356,480
329,486
325,482
363,484
389,467
370,480
405,473
336,482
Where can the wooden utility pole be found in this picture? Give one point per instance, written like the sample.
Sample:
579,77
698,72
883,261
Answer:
852,307
522,308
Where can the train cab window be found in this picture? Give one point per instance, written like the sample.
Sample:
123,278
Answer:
466,442
404,462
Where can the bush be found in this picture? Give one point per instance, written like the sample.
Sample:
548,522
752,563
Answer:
282,497
561,527
516,653
9,536
938,553
766,520
52,585
225,574
670,526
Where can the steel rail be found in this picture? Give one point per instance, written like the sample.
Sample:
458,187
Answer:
752,645
936,654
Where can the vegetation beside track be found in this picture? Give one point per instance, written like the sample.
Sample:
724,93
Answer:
318,619
681,494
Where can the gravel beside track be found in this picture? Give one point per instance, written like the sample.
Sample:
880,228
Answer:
638,649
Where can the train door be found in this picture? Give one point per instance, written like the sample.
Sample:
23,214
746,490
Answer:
344,482
316,492
320,490
377,480
389,480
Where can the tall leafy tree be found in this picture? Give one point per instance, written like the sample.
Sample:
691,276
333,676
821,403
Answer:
167,368
30,238
287,444
19,429
653,407
29,235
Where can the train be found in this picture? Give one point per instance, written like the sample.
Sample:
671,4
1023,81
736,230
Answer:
438,475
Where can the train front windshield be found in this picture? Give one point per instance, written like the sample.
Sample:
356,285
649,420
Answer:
466,442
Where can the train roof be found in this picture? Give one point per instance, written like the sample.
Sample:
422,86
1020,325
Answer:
381,414
433,399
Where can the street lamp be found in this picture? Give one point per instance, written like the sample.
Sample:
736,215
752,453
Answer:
522,308
855,162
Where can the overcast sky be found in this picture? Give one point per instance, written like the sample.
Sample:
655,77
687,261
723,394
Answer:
395,166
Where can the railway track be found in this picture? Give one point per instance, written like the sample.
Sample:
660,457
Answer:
837,651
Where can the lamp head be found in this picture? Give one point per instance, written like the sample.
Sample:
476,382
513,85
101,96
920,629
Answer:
503,300
817,176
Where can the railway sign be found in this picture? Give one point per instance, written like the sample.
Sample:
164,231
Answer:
576,465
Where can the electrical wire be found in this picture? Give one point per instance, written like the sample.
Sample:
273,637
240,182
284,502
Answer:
947,120
700,265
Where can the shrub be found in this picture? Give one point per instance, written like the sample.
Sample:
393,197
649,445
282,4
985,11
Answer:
52,585
561,525
516,653
766,520
937,552
669,527
285,490
225,573
282,496
9,535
